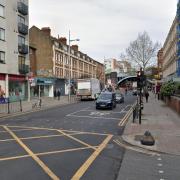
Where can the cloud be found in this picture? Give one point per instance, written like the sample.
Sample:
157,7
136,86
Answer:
104,27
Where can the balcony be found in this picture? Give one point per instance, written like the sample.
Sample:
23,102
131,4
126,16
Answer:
22,28
22,8
23,49
23,69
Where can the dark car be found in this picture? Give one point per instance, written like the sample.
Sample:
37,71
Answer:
106,100
119,98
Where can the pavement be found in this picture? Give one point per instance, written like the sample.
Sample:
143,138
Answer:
28,106
162,122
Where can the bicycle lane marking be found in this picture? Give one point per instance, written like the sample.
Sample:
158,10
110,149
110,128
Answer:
90,160
36,158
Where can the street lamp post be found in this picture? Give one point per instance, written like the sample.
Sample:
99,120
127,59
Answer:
70,64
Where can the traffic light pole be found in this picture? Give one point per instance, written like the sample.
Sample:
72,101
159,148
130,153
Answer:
140,85
140,102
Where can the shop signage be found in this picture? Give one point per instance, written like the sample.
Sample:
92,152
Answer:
16,78
3,100
44,81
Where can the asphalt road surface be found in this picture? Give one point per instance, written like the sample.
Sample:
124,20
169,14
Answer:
74,141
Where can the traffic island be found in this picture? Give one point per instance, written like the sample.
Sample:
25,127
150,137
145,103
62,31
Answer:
147,139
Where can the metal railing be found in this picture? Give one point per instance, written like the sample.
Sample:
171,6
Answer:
7,107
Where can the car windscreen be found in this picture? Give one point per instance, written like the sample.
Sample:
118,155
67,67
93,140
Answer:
105,96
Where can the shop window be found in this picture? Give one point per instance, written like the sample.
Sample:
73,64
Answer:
2,34
2,57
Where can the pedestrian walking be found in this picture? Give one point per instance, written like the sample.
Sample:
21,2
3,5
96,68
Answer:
55,94
146,96
126,91
58,94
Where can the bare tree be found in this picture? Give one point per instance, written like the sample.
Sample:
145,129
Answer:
142,50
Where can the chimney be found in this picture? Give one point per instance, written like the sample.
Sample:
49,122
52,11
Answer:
46,30
63,40
74,47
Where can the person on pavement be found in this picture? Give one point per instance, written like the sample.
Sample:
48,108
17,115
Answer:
55,94
58,94
146,96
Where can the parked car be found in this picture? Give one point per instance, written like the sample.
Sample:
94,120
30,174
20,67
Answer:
106,100
119,98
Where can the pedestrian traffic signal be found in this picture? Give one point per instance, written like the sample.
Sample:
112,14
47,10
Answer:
141,79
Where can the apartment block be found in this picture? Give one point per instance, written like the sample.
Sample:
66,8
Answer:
51,66
169,64
14,57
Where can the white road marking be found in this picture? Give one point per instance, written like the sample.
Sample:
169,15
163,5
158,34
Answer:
159,159
93,117
161,171
159,164
99,113
112,112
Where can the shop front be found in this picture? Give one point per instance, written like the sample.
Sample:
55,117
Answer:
42,87
17,87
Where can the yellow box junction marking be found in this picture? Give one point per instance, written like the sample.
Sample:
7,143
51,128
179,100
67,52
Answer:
41,164
90,160
75,139
53,129
45,153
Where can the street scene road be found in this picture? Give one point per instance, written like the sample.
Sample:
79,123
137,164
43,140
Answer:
72,141
89,90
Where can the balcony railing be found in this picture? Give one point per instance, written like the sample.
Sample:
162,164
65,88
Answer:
22,8
23,69
22,28
23,49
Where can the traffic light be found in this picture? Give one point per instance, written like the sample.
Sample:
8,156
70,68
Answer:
139,79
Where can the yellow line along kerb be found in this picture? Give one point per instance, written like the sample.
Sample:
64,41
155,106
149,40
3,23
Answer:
123,121
43,166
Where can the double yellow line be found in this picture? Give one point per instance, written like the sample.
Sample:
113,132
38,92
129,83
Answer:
125,118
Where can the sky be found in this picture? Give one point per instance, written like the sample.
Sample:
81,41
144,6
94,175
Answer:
105,27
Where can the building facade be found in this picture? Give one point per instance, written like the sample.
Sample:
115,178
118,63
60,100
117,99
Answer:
112,65
160,63
14,57
178,38
52,67
169,67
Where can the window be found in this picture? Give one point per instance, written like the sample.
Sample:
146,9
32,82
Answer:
21,62
2,34
2,57
21,19
21,40
1,11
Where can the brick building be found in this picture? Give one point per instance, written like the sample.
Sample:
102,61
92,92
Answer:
51,66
